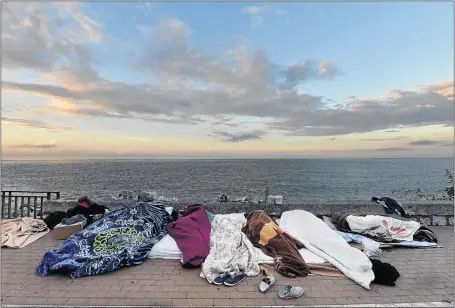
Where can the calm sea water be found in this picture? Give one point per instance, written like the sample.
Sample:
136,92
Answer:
205,180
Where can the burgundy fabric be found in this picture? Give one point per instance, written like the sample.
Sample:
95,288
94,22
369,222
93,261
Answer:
191,232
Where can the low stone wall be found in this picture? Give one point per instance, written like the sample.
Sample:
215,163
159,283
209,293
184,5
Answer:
431,213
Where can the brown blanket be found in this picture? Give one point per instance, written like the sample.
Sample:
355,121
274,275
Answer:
265,234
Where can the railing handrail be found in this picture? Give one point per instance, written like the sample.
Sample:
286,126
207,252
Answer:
30,191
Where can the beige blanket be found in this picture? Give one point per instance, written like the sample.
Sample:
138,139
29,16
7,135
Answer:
19,232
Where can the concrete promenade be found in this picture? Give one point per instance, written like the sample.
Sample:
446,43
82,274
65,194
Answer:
427,276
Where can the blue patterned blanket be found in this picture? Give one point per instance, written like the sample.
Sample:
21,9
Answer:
122,238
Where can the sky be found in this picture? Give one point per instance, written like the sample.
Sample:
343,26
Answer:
133,80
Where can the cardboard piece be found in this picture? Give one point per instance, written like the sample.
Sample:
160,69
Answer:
62,232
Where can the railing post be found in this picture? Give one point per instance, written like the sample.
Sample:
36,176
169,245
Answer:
42,207
16,208
9,204
22,206
48,196
35,201
3,204
28,206
58,195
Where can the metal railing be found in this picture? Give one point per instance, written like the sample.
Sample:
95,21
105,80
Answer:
22,203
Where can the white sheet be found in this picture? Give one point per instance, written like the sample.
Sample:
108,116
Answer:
262,257
165,249
327,244
382,226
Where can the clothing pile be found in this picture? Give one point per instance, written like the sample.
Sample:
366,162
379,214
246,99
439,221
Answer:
84,206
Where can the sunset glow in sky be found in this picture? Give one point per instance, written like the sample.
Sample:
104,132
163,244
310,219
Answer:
227,80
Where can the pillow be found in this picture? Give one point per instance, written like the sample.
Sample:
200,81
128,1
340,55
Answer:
165,249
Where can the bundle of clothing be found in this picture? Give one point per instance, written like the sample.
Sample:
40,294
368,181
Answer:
383,229
20,232
86,207
122,238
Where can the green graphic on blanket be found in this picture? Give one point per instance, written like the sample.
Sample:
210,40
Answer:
116,240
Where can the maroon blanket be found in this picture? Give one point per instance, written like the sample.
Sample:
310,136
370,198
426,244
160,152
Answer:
191,232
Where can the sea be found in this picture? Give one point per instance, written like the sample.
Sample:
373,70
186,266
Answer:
297,180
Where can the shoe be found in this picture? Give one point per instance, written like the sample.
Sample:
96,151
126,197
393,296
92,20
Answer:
221,279
287,292
266,283
234,280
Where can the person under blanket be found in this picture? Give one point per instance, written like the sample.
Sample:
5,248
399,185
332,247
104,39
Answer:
231,252
265,234
382,228
191,232
122,238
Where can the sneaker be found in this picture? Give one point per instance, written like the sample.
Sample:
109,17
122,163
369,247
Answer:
266,283
234,280
287,292
221,279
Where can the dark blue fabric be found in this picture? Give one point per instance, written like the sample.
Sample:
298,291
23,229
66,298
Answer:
122,238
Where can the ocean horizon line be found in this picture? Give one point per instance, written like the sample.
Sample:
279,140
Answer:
236,158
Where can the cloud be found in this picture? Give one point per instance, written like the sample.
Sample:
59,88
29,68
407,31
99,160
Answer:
257,14
237,137
191,86
297,73
384,139
393,149
32,39
33,124
399,108
425,142
392,131
36,146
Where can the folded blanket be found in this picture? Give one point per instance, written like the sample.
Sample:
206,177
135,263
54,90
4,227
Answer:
230,249
191,232
326,243
122,238
265,234
20,232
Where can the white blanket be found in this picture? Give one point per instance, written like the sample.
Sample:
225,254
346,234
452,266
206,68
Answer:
327,244
383,227
230,249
